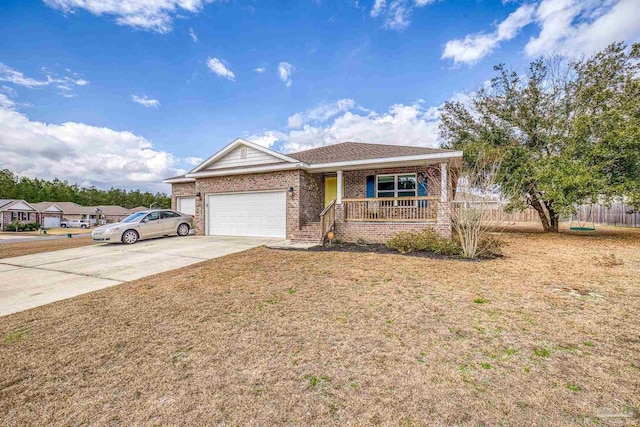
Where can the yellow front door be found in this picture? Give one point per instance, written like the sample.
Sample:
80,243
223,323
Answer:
330,189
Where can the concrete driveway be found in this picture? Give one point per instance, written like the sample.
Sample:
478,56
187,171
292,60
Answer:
33,280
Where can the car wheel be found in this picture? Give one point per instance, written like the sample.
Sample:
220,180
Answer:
63,225
183,230
129,237
83,226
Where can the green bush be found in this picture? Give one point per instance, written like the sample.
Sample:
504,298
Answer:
30,226
424,240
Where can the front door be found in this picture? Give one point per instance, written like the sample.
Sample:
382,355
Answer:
330,189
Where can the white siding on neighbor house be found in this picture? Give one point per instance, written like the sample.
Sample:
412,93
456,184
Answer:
20,206
233,159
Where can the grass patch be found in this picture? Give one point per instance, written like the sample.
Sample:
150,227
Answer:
190,346
480,301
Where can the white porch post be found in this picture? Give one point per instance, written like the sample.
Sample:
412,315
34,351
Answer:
339,187
443,182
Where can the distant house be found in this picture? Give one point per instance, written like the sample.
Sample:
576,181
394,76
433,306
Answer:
139,209
16,210
49,214
101,214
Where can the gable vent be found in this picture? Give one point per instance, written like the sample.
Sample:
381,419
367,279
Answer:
243,152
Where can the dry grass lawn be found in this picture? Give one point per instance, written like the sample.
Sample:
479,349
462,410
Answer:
549,335
8,250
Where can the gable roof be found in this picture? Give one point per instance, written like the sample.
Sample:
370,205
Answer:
350,151
16,204
235,144
46,206
352,155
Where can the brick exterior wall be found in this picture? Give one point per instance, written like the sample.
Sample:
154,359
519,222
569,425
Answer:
355,187
307,201
280,181
355,182
181,190
311,197
6,219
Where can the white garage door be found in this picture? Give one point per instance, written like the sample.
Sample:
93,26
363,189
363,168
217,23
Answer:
256,214
51,222
187,205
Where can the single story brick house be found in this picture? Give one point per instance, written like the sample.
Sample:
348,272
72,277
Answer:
101,214
357,190
49,214
16,210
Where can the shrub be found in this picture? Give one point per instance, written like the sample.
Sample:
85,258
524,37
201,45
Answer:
424,240
490,246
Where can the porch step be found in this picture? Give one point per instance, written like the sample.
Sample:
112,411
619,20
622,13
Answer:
310,232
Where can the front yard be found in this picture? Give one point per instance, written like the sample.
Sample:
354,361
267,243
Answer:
548,335
9,250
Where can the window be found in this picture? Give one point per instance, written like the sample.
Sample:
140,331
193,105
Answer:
20,216
397,185
153,216
169,214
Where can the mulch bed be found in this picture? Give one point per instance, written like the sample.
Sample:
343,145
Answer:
380,248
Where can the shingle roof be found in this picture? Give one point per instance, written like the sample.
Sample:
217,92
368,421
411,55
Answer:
6,204
349,151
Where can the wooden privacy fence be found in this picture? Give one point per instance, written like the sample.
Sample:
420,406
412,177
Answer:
619,214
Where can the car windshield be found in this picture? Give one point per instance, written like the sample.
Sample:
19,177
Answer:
135,217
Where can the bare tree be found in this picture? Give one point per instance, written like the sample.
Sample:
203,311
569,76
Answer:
475,199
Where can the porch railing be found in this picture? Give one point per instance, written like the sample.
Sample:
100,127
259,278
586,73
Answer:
328,218
392,209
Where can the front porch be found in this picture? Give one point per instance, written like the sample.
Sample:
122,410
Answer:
375,204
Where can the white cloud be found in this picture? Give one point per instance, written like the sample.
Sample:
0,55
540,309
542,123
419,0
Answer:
219,68
145,102
193,161
566,27
193,35
344,121
150,15
285,70
267,138
259,70
88,155
321,113
476,46
396,14
575,28
65,84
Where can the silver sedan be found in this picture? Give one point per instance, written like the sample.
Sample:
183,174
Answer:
144,225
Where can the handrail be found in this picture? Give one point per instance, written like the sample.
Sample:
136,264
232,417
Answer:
392,209
373,199
328,218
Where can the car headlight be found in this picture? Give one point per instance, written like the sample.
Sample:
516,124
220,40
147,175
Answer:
111,231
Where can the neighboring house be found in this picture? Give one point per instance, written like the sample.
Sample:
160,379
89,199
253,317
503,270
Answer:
16,210
358,190
49,214
139,209
109,213
93,214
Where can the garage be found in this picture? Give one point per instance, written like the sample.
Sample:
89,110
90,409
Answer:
252,214
51,222
187,205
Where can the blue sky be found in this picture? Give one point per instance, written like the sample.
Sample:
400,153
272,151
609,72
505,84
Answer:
289,75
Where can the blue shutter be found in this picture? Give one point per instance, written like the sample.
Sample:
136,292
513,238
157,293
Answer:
422,191
371,186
